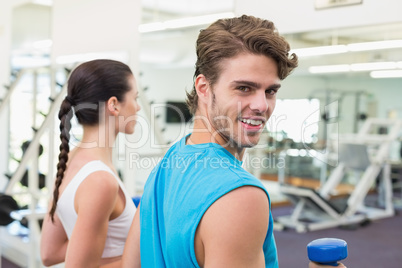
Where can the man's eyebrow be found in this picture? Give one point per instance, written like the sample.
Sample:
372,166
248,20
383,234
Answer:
246,83
275,86
254,84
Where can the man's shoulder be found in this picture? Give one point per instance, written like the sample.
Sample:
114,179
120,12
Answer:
246,202
244,211
247,194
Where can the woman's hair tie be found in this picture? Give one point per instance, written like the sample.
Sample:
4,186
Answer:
70,100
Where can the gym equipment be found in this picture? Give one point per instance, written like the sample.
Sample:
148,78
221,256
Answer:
28,250
41,180
10,89
41,177
327,251
25,178
8,211
30,151
328,96
363,153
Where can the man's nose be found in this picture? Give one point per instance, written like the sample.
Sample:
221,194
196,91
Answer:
259,102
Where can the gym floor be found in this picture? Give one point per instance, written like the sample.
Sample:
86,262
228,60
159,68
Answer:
7,264
377,244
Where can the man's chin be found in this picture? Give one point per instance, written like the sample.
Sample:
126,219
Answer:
251,140
249,145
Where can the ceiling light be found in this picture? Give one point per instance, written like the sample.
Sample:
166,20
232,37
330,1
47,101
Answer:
375,45
183,22
75,58
194,21
371,66
386,74
337,49
340,68
356,67
316,51
151,27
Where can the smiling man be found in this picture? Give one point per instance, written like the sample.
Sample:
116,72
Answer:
235,109
213,213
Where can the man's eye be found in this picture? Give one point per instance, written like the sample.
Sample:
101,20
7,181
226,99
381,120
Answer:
244,89
271,91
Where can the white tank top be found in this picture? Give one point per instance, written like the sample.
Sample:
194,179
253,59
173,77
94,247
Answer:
118,228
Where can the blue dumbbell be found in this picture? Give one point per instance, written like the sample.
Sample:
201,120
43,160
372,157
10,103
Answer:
327,251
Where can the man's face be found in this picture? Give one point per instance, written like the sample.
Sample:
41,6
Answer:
243,99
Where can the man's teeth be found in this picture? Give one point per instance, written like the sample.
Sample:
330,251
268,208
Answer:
252,122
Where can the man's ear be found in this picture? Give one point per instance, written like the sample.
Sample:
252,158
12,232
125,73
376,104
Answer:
113,106
202,87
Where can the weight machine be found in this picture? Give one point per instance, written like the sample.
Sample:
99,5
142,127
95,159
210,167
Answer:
22,247
366,153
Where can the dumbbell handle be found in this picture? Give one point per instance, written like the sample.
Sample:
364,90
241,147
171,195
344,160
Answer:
327,251
330,263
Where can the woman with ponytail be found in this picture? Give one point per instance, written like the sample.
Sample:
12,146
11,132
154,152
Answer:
91,212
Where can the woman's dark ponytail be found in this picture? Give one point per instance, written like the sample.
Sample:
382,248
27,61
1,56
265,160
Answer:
65,115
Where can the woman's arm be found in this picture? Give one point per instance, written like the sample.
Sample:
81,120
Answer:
95,201
54,241
131,254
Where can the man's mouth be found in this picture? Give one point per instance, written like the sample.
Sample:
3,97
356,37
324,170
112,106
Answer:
251,122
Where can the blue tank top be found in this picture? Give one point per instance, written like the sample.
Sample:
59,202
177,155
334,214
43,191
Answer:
185,183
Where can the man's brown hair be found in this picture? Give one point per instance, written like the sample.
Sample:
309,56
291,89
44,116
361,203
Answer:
226,38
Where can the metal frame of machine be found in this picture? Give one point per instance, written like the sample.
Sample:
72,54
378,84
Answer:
364,152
